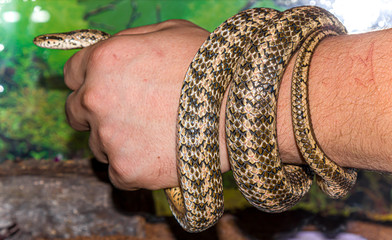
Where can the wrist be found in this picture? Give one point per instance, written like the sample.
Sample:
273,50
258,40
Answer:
348,90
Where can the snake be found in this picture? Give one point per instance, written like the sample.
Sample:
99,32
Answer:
245,57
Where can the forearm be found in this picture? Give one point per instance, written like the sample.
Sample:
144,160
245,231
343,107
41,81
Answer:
350,91
350,98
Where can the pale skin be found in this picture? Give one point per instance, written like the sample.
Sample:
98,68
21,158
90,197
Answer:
126,92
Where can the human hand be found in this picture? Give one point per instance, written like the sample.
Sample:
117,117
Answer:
126,92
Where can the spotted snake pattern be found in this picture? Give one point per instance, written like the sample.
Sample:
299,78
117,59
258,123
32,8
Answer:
247,56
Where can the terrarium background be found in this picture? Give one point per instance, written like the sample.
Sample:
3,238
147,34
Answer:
32,92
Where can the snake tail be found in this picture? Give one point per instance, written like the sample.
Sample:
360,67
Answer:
334,180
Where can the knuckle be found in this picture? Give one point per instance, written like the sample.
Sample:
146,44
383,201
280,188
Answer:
71,121
175,22
99,53
90,99
96,149
105,135
76,124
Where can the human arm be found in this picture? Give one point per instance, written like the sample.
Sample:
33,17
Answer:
126,93
350,101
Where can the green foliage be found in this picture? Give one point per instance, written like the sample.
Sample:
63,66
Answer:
32,126
121,14
161,205
32,116
268,4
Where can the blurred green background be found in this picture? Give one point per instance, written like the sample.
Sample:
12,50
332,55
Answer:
32,93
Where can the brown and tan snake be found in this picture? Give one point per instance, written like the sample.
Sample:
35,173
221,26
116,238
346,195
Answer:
247,54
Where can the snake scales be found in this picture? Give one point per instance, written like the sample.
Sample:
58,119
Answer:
247,54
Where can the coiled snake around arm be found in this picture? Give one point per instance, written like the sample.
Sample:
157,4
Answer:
247,54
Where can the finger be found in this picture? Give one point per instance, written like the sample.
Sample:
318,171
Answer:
139,30
75,70
76,113
96,147
155,27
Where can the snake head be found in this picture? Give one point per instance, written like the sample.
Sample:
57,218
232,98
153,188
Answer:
71,40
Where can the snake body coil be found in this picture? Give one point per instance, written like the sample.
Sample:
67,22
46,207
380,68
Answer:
249,52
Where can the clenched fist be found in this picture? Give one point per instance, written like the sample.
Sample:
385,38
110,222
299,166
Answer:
126,92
